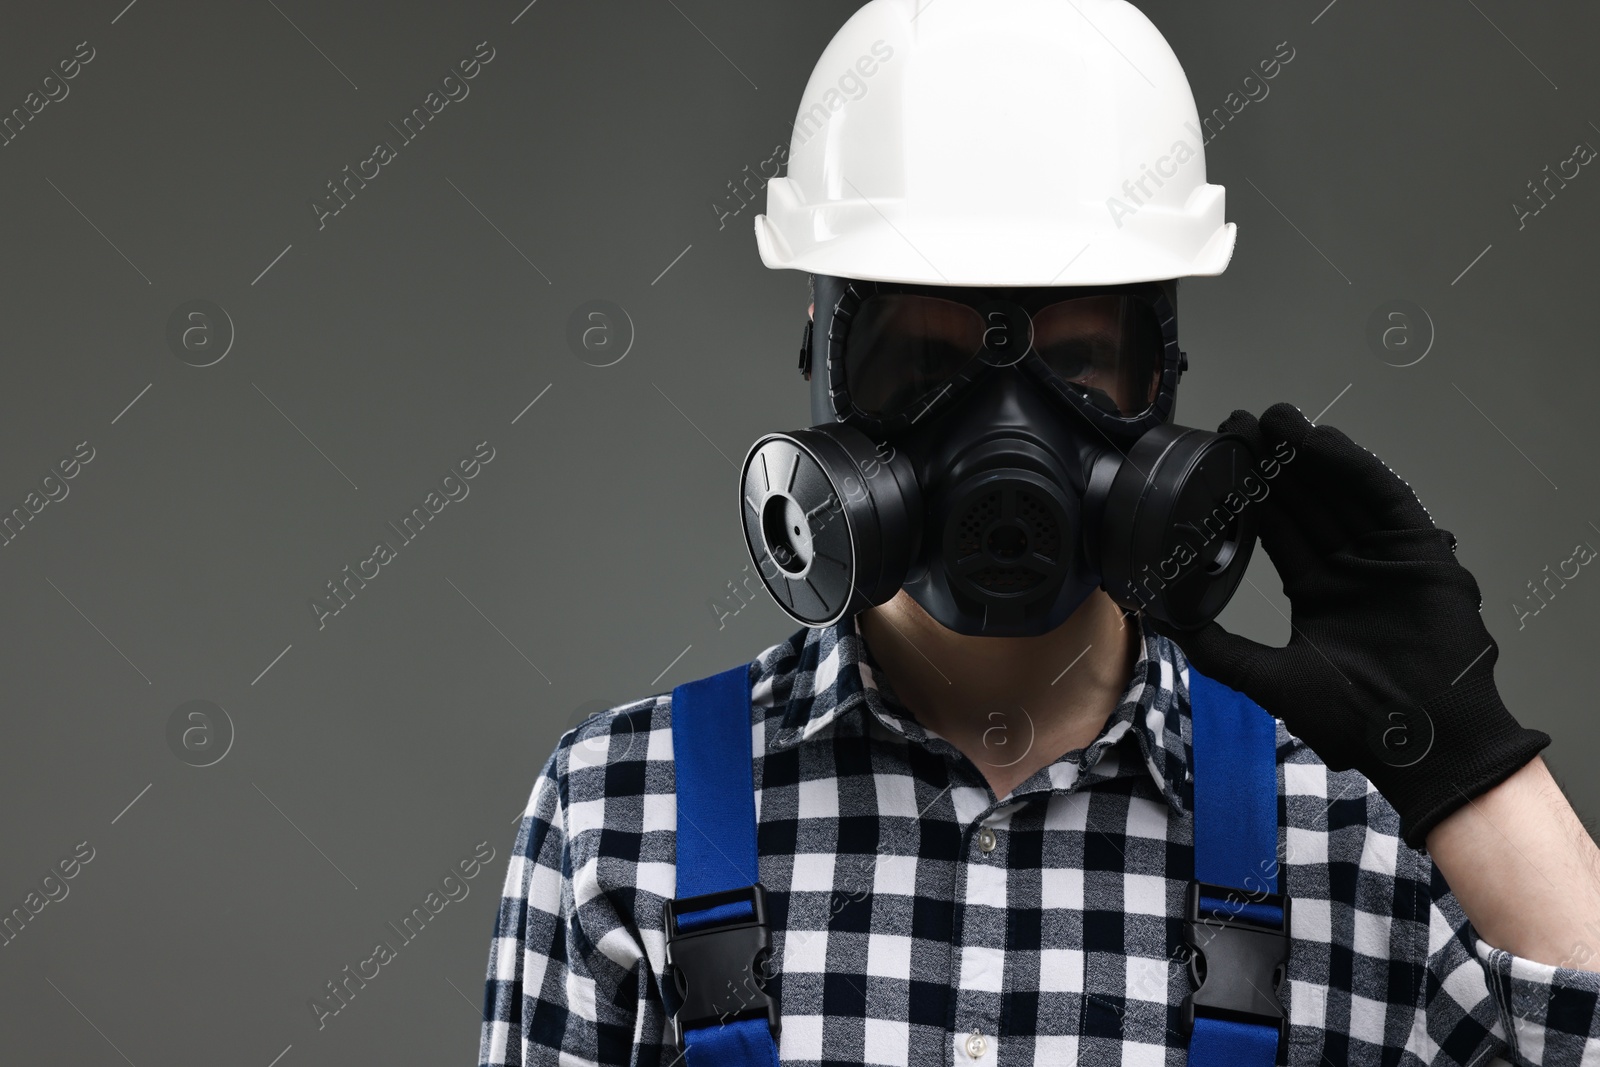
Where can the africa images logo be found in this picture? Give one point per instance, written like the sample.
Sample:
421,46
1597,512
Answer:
1255,90
851,85
453,88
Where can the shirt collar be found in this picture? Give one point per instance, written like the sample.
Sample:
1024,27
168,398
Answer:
823,675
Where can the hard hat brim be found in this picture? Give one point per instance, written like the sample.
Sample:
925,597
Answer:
1000,252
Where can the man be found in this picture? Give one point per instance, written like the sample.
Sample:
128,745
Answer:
985,772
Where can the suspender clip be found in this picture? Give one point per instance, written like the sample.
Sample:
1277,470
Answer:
1239,946
716,966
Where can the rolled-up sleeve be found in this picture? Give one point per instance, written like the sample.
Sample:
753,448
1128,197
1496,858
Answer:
1551,1013
1482,1005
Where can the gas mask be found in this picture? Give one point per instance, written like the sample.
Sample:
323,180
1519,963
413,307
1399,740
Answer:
999,453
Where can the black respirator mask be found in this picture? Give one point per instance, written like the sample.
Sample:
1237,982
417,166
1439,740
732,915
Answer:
999,453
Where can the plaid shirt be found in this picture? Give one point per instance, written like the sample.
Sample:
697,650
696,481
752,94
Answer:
919,920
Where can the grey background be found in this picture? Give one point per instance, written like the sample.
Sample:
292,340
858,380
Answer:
586,564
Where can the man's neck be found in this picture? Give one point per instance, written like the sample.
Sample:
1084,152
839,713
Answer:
1011,704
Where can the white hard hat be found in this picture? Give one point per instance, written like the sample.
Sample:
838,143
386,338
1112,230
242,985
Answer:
997,142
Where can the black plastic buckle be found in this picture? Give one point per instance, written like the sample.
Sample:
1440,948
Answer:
717,969
1244,961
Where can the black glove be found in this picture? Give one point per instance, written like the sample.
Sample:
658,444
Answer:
1389,668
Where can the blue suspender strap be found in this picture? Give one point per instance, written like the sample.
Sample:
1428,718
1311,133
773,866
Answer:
717,929
1234,915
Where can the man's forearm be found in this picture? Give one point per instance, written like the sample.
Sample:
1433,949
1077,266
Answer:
1525,871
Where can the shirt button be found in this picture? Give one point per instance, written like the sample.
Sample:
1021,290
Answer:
976,1046
987,841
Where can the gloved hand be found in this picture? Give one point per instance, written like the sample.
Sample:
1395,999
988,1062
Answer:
1389,668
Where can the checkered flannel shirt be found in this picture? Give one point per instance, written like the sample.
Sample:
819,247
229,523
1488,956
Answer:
897,936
